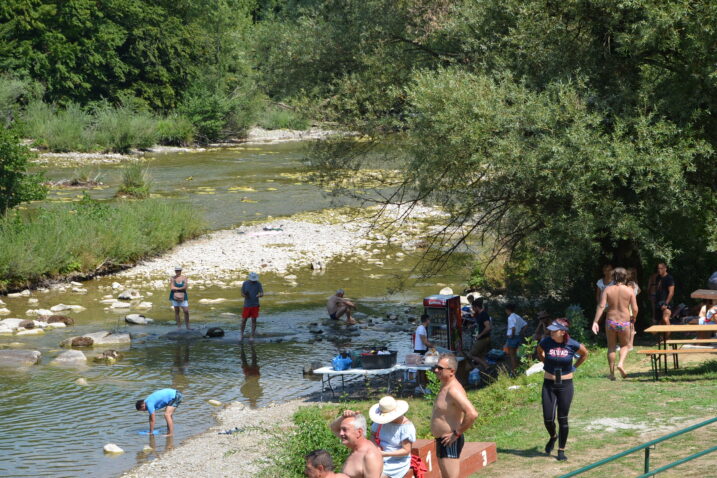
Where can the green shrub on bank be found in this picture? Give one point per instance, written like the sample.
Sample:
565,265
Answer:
280,118
60,130
122,129
136,181
89,237
175,130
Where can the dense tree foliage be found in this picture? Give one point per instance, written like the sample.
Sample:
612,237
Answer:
16,184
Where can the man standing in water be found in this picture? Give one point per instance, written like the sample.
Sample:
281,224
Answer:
365,460
337,306
453,414
251,290
167,398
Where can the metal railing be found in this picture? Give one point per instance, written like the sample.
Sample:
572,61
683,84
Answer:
647,446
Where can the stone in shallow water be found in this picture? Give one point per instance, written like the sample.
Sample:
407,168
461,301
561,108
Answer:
61,318
120,305
82,382
60,307
137,319
4,311
113,449
129,294
30,332
19,357
70,358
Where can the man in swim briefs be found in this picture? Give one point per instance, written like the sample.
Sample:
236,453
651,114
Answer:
620,301
453,414
337,306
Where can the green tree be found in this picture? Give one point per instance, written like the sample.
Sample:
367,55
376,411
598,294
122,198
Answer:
16,185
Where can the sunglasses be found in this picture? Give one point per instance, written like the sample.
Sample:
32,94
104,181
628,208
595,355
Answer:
438,367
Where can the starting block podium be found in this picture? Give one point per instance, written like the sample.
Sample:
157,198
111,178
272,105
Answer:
475,456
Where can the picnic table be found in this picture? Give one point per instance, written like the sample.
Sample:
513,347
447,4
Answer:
704,294
663,342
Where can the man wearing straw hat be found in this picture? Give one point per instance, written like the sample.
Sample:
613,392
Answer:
453,414
393,433
365,460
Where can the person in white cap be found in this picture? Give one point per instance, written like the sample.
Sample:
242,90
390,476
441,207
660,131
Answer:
251,290
178,286
337,306
393,433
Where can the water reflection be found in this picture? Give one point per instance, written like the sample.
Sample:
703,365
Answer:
180,367
251,388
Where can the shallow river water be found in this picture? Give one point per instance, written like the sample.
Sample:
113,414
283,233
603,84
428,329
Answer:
53,427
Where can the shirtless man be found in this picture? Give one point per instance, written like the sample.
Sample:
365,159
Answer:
320,465
453,414
621,305
338,306
365,460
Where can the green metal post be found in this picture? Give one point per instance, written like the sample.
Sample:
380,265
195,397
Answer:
647,459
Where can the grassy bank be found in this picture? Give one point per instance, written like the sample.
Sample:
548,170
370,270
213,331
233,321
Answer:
88,237
606,418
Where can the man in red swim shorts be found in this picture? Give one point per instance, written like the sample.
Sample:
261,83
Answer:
251,290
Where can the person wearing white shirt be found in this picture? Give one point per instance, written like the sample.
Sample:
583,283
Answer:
514,335
420,342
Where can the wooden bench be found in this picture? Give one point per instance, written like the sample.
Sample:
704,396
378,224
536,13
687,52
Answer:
656,354
675,342
475,456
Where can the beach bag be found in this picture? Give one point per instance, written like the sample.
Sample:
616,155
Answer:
341,363
179,295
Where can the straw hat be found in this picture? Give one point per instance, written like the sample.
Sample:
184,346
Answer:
387,410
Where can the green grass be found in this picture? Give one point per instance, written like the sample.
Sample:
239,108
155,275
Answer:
88,237
122,129
136,181
278,118
513,420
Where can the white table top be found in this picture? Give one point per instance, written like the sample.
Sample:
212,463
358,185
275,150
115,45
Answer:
328,370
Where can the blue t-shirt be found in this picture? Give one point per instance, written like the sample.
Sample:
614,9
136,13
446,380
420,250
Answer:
159,399
251,290
559,355
391,437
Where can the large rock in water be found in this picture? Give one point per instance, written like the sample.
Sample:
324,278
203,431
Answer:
184,334
19,358
129,294
70,358
60,318
11,323
97,338
137,319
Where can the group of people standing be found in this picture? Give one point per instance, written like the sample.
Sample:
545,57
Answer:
388,453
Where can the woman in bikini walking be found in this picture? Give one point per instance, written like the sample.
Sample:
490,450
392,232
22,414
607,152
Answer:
619,299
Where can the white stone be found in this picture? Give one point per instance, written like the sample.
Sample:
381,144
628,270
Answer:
14,295
150,294
25,293
38,312
129,294
82,382
108,301
79,290
108,296
70,357
112,449
5,330
107,338
30,332
76,284
40,323
137,319
120,305
144,305
32,301
77,308
60,307
12,323
211,301
56,325
1,302
4,311
215,403
116,285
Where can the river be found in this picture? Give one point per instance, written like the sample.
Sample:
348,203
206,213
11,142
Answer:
52,426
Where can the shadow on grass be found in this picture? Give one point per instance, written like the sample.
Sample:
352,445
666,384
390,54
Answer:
527,453
704,371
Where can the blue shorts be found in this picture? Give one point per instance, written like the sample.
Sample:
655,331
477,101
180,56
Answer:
513,342
451,451
184,303
176,401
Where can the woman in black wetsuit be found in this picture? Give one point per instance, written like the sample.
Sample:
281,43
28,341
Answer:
557,353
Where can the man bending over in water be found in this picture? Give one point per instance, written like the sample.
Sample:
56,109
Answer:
337,306
167,398
620,301
453,414
365,460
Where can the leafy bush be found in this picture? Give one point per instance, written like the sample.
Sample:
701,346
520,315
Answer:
578,324
16,186
13,92
60,130
175,130
121,129
279,118
136,181
88,237
311,433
